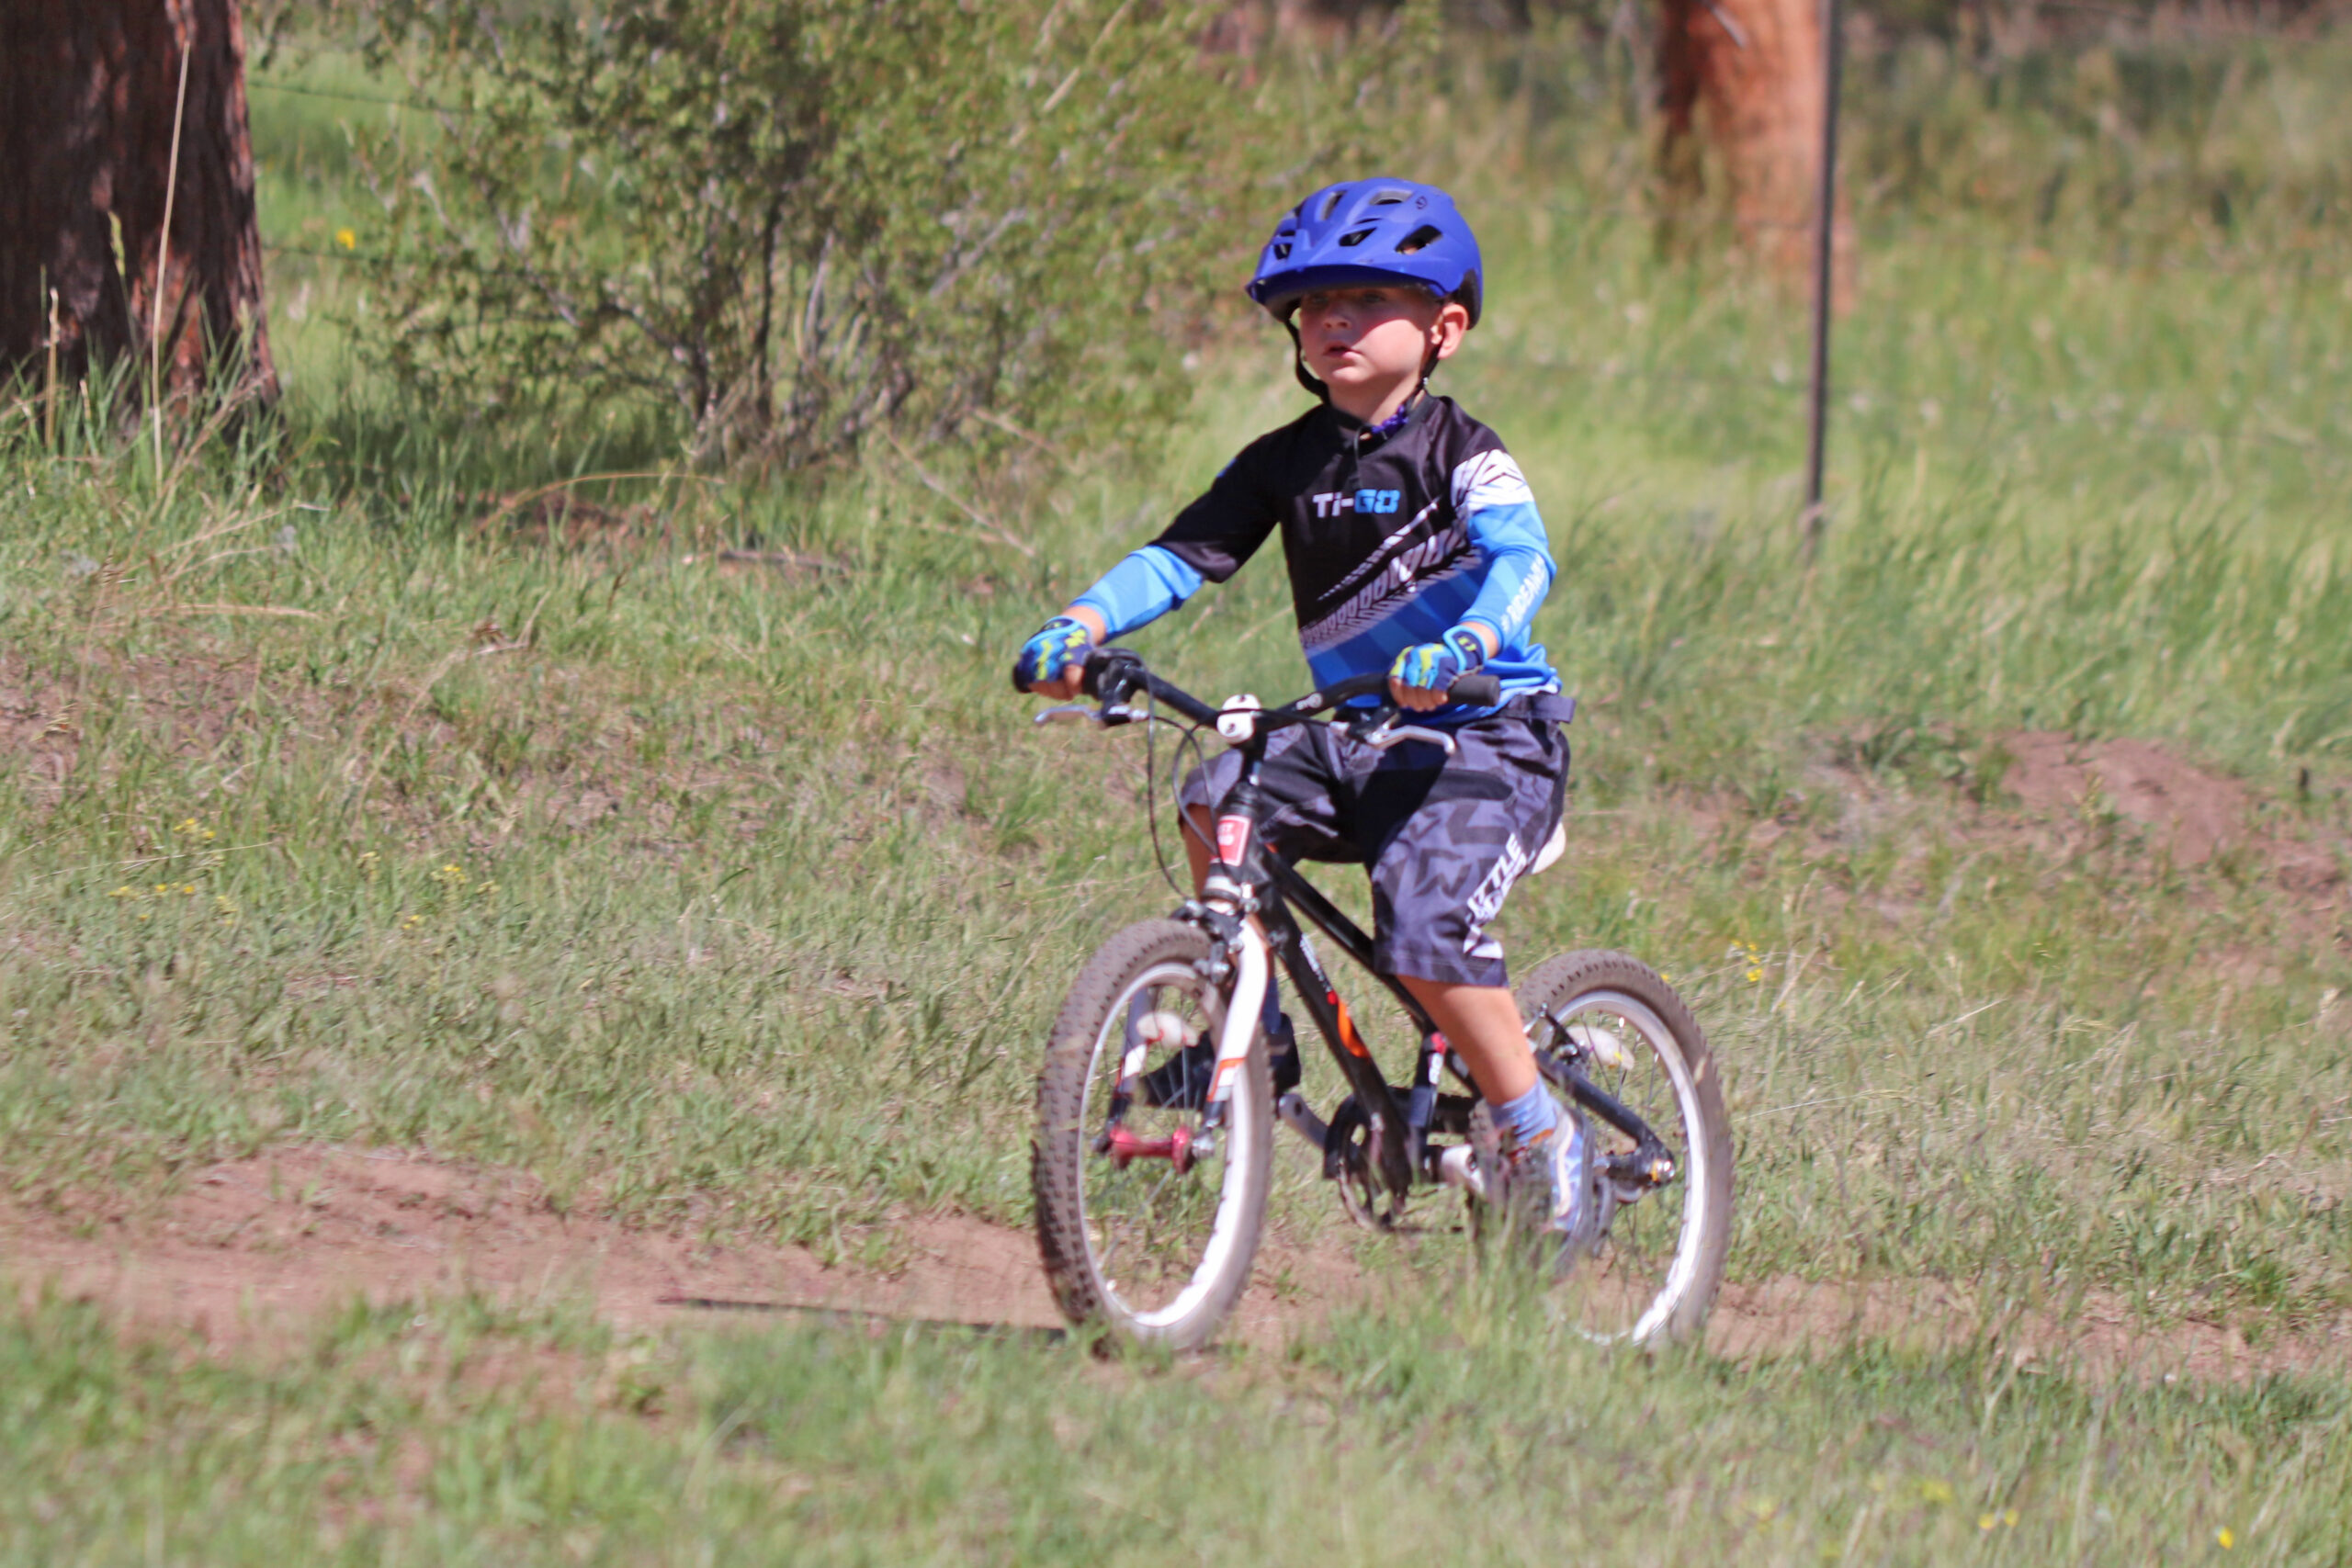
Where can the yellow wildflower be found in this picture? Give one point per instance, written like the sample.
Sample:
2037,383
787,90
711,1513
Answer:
346,238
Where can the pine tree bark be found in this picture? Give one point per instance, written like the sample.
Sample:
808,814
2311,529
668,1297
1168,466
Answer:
90,98
1755,70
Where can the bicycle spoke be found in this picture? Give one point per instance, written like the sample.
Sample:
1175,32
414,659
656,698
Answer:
1149,1229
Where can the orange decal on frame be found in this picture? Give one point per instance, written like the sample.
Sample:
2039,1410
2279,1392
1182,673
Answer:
1348,1038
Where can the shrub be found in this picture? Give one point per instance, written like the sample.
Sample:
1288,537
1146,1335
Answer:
793,223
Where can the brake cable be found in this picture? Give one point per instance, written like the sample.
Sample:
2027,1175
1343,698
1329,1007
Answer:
1190,737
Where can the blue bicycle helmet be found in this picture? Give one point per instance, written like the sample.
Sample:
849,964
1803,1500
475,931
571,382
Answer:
1364,232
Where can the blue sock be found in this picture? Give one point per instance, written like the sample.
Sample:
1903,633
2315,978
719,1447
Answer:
1528,1119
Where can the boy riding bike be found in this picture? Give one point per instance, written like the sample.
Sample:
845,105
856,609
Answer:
1414,549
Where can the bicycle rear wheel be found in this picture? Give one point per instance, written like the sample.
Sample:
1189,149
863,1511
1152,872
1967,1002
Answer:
1659,1261
1147,1216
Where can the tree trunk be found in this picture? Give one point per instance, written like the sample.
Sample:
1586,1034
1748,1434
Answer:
1755,69
89,100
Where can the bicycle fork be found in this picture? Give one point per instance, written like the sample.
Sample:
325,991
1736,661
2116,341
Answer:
1251,970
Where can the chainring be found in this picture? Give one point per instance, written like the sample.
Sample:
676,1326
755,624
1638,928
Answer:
1351,1158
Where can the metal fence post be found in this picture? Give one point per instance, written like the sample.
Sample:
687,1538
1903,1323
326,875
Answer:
1825,269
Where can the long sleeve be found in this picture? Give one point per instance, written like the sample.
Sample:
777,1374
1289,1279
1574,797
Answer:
1143,587
1498,511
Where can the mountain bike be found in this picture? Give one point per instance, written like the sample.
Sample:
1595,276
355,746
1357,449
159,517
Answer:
1150,1205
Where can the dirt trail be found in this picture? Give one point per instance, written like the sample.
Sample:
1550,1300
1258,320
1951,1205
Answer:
257,1250
258,1245
2102,1338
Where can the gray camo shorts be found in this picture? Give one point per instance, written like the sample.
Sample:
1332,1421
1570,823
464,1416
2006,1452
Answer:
1444,837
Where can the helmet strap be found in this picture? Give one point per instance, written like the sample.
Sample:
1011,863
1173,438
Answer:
1428,368
1298,359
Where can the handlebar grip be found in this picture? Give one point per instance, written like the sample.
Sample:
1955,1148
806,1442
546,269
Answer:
1110,673
1478,691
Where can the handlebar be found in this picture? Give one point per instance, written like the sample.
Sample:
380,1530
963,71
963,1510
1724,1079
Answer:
1113,674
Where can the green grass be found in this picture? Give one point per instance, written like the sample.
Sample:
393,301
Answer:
1460,1428
739,903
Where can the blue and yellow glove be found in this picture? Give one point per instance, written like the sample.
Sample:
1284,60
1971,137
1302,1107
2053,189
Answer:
1434,666
1047,656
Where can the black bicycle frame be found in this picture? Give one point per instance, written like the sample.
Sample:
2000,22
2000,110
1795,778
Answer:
1396,1134
1261,884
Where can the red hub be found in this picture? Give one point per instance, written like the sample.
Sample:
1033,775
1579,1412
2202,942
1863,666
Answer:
1126,1148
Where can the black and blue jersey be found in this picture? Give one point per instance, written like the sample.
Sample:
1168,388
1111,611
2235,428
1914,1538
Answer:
1391,539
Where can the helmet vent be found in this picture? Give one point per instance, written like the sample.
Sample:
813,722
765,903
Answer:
1282,250
1392,197
1330,203
1420,239
1350,242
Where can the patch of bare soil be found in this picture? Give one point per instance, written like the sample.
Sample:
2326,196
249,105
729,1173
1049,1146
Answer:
256,1247
2183,815
195,705
2185,811
2190,815
2130,806
2102,1338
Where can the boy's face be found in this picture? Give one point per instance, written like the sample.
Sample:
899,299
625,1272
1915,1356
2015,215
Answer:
1366,341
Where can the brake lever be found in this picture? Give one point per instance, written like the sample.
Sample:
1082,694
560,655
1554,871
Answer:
1104,717
1387,732
1384,736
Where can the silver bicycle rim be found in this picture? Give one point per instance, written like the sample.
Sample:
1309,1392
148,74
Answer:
1667,1052
1240,1127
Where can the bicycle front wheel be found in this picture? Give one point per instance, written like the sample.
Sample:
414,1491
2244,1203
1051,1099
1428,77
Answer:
1149,1212
1659,1261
